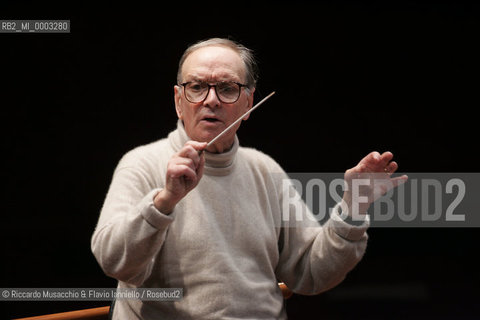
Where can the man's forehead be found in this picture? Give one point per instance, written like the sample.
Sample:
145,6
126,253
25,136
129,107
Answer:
214,61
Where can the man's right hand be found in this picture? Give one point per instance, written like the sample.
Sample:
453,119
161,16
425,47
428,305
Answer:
184,171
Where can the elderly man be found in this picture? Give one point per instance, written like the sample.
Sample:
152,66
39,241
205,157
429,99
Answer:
209,220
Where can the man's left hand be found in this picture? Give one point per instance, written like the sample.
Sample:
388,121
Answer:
377,169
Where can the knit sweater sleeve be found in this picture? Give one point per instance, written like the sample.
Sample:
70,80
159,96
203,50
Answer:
130,230
313,257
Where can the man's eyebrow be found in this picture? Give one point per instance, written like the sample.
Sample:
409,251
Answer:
197,78
206,81
194,78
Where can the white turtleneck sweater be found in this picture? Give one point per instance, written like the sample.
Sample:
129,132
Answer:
225,243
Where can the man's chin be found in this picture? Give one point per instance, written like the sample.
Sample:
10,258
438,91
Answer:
205,135
210,130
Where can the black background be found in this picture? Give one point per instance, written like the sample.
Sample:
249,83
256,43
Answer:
351,77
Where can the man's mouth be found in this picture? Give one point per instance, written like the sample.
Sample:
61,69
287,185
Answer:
211,119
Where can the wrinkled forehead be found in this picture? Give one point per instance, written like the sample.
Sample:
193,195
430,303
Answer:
214,63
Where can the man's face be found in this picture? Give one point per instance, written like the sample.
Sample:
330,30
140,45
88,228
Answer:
205,120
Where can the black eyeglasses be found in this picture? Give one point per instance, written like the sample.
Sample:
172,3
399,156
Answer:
227,92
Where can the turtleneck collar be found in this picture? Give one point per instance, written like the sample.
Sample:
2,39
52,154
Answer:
217,164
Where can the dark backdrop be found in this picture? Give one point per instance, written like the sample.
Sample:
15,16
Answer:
350,77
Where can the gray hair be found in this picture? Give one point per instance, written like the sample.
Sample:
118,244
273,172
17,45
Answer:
251,71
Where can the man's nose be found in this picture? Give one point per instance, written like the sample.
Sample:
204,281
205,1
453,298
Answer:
212,100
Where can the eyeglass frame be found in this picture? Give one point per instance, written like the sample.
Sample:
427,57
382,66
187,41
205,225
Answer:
240,85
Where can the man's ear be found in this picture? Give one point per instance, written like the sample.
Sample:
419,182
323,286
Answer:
250,102
178,98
